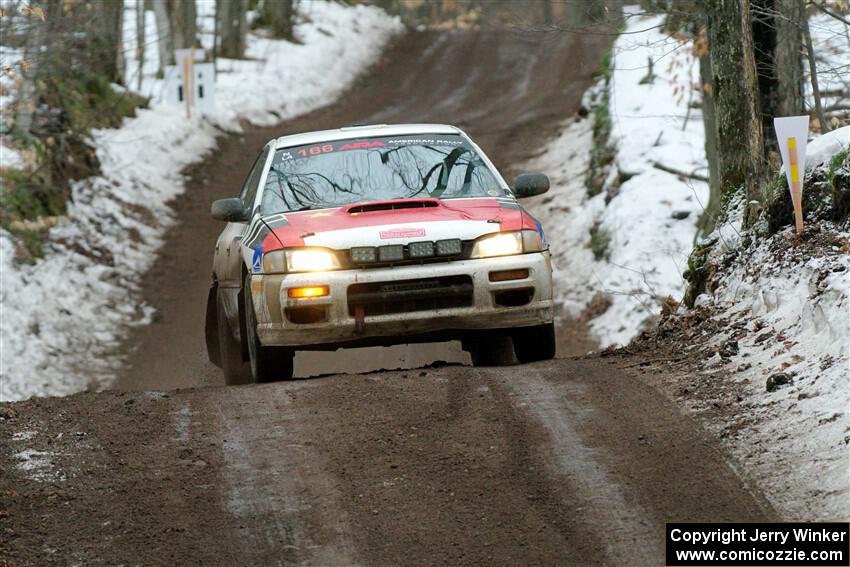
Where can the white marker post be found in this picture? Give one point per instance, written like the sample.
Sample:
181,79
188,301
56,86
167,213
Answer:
189,83
792,132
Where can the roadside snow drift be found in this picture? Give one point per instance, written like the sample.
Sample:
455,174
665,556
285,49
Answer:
786,304
650,222
63,317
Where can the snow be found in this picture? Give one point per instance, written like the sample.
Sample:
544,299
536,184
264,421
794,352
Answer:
794,441
63,317
648,247
38,466
788,304
10,158
822,148
567,216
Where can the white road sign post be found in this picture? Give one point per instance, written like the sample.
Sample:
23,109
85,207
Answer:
792,132
191,84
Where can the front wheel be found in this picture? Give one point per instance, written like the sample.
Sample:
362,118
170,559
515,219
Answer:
230,350
267,363
535,343
489,348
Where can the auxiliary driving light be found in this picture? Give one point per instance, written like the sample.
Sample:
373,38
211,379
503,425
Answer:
451,247
392,253
308,292
364,254
420,249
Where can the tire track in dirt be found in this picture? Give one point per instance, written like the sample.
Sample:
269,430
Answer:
280,500
568,462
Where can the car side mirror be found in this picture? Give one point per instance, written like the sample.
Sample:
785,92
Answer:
530,184
229,210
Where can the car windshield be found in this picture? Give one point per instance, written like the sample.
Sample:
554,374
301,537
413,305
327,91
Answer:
343,172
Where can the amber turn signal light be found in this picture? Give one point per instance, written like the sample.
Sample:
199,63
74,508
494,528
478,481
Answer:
308,292
506,275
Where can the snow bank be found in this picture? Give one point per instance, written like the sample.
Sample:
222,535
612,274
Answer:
786,303
62,317
822,148
651,220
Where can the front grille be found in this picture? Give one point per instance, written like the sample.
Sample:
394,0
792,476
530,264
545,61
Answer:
404,296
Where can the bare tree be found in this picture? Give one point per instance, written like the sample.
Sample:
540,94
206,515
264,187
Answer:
813,76
778,51
29,74
709,121
184,25
163,32
736,98
104,41
140,41
232,27
278,15
789,51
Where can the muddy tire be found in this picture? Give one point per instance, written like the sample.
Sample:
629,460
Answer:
236,371
535,343
267,364
489,349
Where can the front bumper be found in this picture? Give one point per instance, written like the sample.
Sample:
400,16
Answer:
339,325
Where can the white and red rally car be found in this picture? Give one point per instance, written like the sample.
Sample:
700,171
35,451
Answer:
377,235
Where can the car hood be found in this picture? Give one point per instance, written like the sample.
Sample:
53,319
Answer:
395,222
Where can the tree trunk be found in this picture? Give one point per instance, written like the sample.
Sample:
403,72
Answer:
163,34
813,76
575,15
712,209
778,43
232,27
735,89
104,41
28,94
548,19
278,14
789,57
183,22
140,41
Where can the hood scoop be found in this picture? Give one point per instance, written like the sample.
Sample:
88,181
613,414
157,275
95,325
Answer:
392,205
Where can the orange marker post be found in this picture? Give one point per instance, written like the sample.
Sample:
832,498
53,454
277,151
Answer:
188,86
796,184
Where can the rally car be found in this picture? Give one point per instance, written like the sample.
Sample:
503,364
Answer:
377,235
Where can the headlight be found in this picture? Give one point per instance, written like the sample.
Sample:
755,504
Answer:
507,243
300,260
311,260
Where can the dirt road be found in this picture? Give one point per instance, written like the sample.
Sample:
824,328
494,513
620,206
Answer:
570,462
574,461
